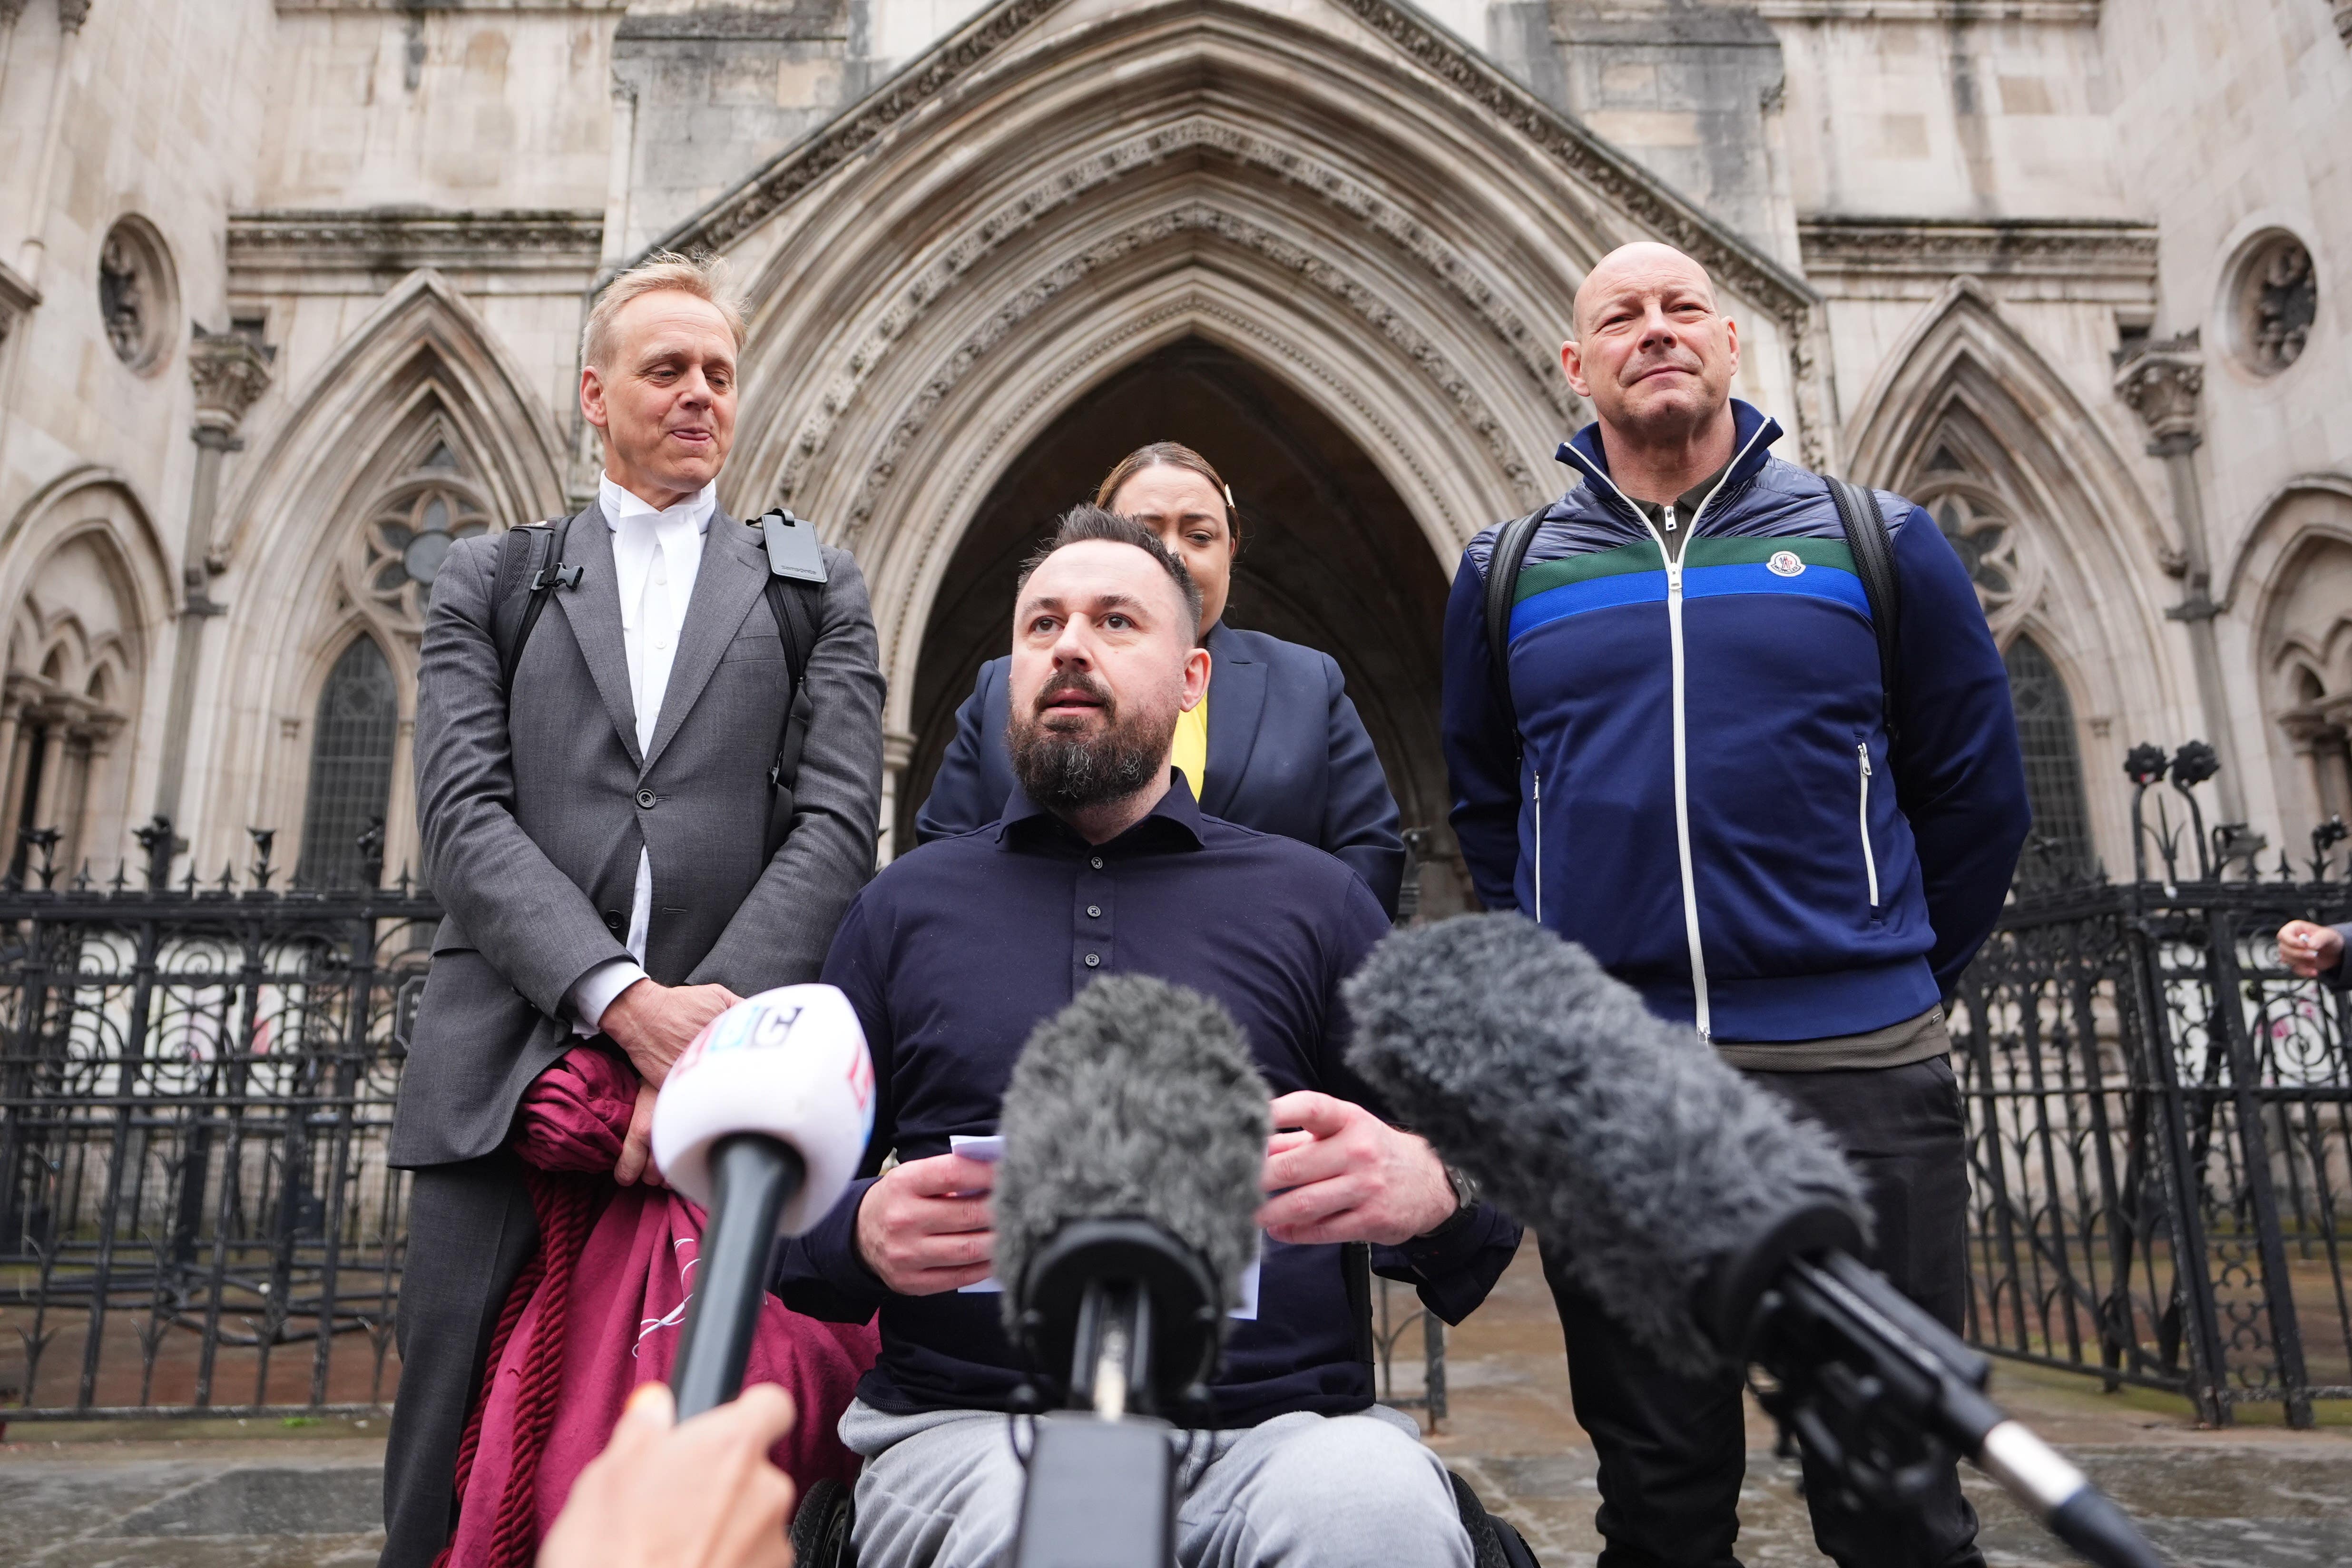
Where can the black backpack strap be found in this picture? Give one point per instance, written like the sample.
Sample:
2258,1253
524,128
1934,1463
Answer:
796,592
1867,541
529,573
1510,552
795,606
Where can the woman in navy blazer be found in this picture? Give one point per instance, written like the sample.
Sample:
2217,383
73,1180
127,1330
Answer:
1287,753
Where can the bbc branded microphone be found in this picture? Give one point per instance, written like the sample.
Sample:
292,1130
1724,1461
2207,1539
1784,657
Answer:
1135,1133
762,1120
1694,1207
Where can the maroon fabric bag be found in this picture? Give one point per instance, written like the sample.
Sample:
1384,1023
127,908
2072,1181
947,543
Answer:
599,1311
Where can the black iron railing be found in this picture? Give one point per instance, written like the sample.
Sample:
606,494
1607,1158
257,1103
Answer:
197,1078
196,1082
2160,1117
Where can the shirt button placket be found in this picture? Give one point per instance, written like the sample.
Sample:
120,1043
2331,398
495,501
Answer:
1091,952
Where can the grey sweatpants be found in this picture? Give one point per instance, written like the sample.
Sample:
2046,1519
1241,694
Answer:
943,1490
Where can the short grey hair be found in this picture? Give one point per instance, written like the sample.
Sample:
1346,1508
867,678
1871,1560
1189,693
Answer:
702,275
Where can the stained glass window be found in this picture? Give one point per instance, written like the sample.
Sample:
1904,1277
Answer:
350,765
2054,764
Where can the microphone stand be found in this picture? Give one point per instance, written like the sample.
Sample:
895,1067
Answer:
1140,1313
1882,1395
753,1177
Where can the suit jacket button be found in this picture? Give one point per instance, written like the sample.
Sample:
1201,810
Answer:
613,921
645,798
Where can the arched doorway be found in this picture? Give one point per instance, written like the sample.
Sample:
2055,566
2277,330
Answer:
1331,557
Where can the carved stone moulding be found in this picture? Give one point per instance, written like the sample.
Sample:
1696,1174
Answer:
2162,381
18,297
138,293
396,241
2078,13
2271,297
301,7
230,370
2088,250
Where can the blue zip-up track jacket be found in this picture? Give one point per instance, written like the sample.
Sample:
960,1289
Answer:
1701,790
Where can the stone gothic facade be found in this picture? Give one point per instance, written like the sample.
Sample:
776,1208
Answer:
290,293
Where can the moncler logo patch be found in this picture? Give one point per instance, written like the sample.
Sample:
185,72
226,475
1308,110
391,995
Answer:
1785,563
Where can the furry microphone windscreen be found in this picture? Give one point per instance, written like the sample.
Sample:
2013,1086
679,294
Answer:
1637,1154
1139,1101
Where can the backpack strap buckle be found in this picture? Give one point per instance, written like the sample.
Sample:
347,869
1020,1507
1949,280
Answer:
556,576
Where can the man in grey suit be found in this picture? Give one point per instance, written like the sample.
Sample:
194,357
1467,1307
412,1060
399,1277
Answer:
598,828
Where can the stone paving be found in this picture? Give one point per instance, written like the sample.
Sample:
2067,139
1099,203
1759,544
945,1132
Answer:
252,1495
2249,1497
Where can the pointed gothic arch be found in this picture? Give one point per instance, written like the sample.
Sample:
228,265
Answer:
1341,195
2298,558
1968,418
418,431
85,588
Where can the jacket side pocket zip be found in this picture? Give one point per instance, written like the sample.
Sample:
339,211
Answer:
1538,800
1869,860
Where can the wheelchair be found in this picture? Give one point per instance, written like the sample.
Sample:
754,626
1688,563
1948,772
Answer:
827,1515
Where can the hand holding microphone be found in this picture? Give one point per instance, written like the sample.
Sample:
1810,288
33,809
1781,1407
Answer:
762,1120
635,1505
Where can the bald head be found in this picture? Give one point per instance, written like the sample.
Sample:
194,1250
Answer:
1637,269
1655,354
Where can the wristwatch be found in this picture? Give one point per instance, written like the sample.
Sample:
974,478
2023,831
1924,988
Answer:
1465,1201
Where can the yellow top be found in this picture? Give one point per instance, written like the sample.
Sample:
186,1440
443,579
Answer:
1193,745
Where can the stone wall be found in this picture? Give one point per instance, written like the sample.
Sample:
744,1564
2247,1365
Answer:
2037,258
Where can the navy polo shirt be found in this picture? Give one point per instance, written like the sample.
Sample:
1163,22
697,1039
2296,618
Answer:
955,952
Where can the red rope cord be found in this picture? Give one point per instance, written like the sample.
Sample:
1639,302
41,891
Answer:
563,1209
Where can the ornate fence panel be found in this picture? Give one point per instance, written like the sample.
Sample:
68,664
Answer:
196,1085
2160,1120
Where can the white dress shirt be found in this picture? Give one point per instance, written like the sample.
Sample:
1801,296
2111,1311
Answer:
657,555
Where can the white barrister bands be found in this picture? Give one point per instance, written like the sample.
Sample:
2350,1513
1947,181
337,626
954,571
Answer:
791,1063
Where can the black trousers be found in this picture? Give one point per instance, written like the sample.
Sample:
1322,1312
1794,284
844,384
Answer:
1673,1449
470,1231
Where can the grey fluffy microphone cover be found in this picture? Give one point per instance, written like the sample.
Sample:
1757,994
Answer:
1624,1141
1139,1101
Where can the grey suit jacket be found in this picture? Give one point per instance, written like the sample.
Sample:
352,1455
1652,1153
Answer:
532,823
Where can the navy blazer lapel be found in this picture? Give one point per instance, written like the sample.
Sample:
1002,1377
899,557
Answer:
593,612
1236,703
734,572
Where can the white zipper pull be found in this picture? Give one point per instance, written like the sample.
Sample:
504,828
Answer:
1670,520
1869,857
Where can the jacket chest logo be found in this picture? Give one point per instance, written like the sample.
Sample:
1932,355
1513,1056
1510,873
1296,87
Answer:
1784,563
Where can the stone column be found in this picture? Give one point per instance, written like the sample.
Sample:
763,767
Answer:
72,15
619,176
230,370
897,753
10,10
19,761
2163,382
53,764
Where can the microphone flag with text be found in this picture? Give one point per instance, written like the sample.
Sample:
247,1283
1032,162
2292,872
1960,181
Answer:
1694,1207
1135,1133
762,1120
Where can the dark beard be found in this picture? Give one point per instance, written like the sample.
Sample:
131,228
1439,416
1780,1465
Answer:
1067,773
